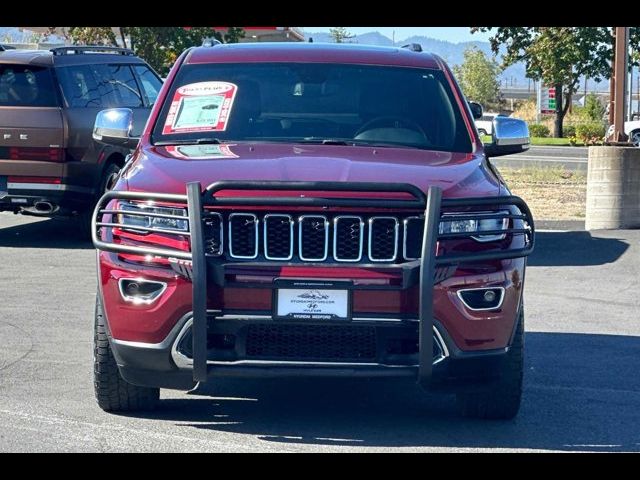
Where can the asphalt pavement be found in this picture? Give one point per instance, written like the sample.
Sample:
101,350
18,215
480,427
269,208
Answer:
571,158
582,387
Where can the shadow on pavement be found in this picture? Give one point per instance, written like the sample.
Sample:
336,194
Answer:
47,233
575,249
581,393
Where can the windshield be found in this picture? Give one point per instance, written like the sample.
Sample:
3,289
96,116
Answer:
312,103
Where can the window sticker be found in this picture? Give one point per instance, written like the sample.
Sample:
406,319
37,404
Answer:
202,152
200,107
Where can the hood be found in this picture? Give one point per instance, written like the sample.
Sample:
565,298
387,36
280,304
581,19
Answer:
169,169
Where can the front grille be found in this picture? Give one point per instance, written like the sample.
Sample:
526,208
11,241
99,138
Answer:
313,238
311,342
243,235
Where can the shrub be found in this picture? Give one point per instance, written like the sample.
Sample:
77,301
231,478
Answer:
538,130
590,133
569,131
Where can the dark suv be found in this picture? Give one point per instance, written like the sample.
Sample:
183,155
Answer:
317,210
49,163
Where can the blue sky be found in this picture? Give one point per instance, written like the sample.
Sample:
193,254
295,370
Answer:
451,34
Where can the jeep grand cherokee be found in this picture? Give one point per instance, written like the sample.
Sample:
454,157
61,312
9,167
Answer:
321,210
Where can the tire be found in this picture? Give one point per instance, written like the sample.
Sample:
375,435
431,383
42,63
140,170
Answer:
502,401
635,138
482,132
106,183
113,393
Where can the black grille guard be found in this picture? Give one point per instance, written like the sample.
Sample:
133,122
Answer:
193,264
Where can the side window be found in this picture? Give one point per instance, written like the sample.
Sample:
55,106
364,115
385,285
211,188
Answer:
150,83
79,85
118,86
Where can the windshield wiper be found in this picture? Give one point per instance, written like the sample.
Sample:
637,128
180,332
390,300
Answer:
196,141
355,142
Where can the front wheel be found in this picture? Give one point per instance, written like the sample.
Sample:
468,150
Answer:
502,401
114,393
635,138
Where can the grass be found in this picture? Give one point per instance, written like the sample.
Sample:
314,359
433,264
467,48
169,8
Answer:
552,193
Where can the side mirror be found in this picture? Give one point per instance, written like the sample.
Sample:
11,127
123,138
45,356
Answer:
113,126
476,110
510,135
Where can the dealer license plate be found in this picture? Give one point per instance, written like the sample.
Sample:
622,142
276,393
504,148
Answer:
312,304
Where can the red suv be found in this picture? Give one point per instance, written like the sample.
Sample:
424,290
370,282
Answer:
307,209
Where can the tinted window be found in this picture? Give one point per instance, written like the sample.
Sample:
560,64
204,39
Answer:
26,86
80,86
151,84
300,102
121,84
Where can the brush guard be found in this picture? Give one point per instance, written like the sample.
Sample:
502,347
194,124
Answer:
193,264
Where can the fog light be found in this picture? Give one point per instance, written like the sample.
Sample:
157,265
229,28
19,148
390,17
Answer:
482,298
140,291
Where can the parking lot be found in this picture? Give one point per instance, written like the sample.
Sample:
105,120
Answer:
582,387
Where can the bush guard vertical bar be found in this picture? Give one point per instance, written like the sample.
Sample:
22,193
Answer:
427,272
199,282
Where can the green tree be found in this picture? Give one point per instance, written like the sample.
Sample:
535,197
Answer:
478,78
340,34
593,109
558,56
158,46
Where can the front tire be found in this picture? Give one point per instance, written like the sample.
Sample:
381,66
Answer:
502,401
113,393
635,138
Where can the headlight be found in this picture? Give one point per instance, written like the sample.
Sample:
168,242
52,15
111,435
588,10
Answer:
475,225
176,224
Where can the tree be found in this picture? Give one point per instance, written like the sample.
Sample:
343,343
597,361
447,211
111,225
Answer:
158,46
558,56
340,34
593,109
478,77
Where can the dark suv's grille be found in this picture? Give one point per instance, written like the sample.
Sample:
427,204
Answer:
313,237
319,342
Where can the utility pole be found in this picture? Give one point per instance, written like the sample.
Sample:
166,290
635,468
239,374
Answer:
619,84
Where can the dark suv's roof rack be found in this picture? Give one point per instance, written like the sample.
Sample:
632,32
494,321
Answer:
90,49
414,47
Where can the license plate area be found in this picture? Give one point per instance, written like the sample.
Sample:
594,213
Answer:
304,300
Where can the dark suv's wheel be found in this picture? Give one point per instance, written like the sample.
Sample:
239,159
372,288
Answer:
502,401
113,393
107,182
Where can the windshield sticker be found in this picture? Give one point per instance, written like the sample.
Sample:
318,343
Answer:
202,152
200,107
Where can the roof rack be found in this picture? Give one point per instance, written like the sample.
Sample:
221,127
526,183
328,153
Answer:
414,47
90,49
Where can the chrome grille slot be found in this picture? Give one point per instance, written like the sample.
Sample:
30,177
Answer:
243,235
383,239
348,238
278,236
413,231
313,238
213,234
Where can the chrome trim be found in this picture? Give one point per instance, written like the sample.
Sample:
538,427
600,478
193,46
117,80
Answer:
139,301
502,294
395,242
257,235
221,249
301,219
479,239
405,224
335,238
264,234
59,187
